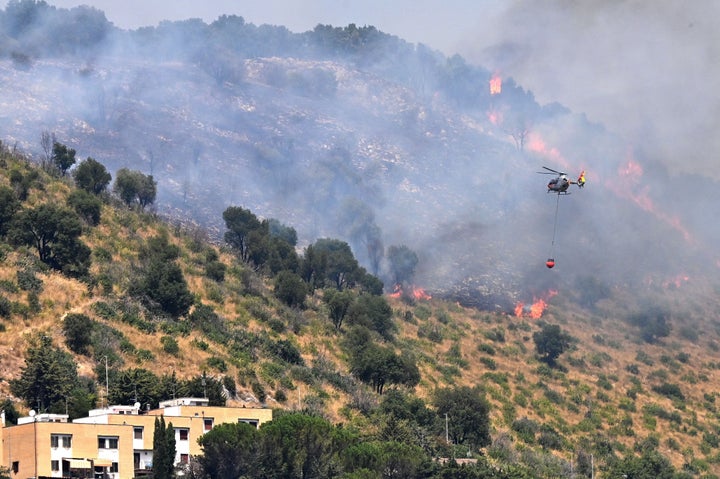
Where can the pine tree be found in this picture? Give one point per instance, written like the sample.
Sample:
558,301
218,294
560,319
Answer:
163,450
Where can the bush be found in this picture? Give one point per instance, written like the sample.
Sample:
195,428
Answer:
170,345
489,363
290,289
495,334
215,270
144,356
216,363
671,391
487,349
27,281
525,429
163,283
78,332
5,307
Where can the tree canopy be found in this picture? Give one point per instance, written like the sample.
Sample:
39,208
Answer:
468,414
48,377
229,451
550,342
54,231
135,188
91,176
63,157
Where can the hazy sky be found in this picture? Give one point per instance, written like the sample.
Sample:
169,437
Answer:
645,69
438,23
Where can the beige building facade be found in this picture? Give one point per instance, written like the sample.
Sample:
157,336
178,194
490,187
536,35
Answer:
114,442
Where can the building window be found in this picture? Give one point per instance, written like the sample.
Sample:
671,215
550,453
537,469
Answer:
15,466
107,442
58,440
55,465
184,458
208,424
252,422
114,467
183,434
138,433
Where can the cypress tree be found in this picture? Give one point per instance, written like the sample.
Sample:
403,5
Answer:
163,450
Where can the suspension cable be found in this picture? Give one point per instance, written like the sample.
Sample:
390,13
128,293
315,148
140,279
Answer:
557,208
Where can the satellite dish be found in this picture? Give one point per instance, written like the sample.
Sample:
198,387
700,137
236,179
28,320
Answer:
32,413
136,405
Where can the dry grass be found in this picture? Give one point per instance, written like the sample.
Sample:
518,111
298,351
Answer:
594,379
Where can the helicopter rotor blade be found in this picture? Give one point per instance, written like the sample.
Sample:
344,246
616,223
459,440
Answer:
554,171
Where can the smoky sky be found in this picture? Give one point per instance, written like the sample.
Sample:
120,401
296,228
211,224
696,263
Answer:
646,70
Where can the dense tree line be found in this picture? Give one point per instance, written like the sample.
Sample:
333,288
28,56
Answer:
302,445
38,29
353,296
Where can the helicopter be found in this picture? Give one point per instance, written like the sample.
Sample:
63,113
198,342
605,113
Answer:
561,183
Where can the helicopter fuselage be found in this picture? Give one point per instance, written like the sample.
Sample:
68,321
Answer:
559,185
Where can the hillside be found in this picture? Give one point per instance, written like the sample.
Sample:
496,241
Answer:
352,134
610,394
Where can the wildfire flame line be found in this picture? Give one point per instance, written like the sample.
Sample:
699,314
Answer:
626,185
630,176
415,291
536,309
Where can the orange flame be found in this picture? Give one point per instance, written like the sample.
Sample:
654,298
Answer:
628,187
415,291
419,293
536,144
397,291
536,309
495,84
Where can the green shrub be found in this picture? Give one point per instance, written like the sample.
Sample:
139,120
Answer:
671,391
6,307
496,334
443,317
216,363
683,357
27,281
78,332
489,363
170,345
215,270
422,312
105,310
144,356
102,255
525,429
8,286
644,358
486,348
259,391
